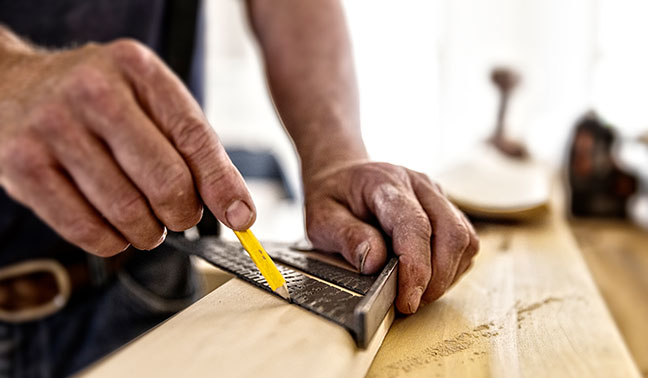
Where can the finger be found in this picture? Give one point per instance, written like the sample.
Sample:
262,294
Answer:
101,181
402,218
451,236
464,265
141,150
37,183
331,227
179,117
469,253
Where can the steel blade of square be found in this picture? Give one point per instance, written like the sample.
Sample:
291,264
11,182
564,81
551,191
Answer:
354,301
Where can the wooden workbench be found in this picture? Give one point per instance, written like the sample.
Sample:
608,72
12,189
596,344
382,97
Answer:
528,308
617,254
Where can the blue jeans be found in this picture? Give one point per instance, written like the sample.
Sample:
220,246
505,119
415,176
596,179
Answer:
152,286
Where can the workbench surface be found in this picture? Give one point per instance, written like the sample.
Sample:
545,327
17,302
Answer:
528,308
617,254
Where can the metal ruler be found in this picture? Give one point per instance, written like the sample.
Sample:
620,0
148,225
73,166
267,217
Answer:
357,302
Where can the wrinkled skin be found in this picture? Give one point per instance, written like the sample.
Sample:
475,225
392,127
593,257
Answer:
108,147
347,207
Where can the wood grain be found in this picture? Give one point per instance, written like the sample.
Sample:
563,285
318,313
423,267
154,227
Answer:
529,308
617,255
241,331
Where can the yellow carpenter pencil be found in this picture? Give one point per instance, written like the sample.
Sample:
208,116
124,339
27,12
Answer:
263,261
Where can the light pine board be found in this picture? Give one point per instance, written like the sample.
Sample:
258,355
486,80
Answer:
241,331
528,308
617,255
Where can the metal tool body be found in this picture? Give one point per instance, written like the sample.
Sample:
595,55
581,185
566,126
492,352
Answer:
357,302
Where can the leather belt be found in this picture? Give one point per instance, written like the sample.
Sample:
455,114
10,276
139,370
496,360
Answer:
33,289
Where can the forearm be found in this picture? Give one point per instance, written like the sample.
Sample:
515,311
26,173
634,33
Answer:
311,76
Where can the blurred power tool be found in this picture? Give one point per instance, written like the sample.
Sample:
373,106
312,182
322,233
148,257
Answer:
598,185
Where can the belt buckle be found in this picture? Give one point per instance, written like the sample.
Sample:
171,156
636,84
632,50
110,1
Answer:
20,291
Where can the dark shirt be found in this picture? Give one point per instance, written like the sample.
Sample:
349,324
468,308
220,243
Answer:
172,28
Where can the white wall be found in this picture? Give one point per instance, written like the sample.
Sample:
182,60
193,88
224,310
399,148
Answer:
423,68
620,87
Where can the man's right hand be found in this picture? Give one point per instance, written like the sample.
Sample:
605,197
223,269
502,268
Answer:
108,147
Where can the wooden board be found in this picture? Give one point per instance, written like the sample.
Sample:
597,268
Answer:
617,254
211,277
528,308
241,331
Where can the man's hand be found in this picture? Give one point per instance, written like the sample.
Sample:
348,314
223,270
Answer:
348,208
108,147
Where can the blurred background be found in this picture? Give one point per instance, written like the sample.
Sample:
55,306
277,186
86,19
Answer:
423,70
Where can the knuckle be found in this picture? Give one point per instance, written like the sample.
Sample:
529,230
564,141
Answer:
88,84
16,153
420,223
25,157
51,118
459,237
395,172
91,46
85,233
421,176
172,182
415,223
388,193
220,177
174,195
35,174
131,53
350,235
375,170
127,209
417,271
190,135
425,179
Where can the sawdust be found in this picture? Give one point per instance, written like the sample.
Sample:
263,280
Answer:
464,341
448,347
523,312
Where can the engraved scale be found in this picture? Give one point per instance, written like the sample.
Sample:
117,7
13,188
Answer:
354,301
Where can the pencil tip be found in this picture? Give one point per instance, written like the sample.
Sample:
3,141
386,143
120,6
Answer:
283,292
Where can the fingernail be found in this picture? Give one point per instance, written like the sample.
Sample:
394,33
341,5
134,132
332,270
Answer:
238,215
125,248
362,251
415,299
162,238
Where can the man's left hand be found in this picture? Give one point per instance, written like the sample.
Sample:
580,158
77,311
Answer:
350,207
